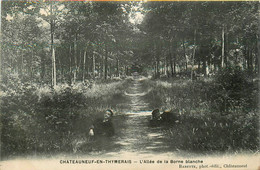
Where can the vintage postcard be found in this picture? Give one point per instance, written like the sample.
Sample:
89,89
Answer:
129,85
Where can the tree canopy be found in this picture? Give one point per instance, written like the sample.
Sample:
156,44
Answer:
75,41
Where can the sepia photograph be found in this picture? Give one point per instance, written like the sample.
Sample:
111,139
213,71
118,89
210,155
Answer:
129,85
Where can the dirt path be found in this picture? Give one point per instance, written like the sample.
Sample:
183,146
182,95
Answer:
133,133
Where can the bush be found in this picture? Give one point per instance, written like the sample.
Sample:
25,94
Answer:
216,115
213,132
40,119
233,90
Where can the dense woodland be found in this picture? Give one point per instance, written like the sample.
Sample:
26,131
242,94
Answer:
64,63
57,42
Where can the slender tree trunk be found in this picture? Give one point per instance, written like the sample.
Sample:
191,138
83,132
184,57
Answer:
22,65
106,64
80,65
165,66
247,57
42,75
110,70
172,68
226,50
84,66
62,73
93,65
199,65
204,65
158,67
256,64
250,61
194,52
184,53
100,70
126,70
75,60
70,65
54,68
171,58
157,60
117,67
258,53
31,66
52,49
223,46
103,66
155,67
88,64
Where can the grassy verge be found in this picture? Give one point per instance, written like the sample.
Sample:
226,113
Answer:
217,115
39,119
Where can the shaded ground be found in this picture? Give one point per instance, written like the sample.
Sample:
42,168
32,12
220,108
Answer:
133,132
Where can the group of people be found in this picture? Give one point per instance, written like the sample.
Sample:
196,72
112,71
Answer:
104,126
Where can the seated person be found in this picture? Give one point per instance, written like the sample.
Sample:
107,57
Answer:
156,117
107,123
104,126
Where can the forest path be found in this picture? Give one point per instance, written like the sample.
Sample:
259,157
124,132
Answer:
133,133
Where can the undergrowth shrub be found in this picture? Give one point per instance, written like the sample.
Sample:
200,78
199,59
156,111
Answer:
40,119
233,90
217,115
214,132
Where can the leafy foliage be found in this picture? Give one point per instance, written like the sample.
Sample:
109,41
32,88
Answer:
233,90
40,119
215,115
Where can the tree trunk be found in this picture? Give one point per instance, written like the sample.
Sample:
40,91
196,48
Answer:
110,70
170,59
84,66
193,54
204,65
172,69
103,66
117,67
250,61
75,60
223,46
93,66
165,65
258,53
126,70
31,66
155,71
42,74
106,64
52,50
80,63
70,65
226,46
54,68
22,66
199,65
184,54
256,64
100,70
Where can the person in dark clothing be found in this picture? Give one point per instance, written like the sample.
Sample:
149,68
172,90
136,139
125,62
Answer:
156,114
156,118
104,126
107,124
